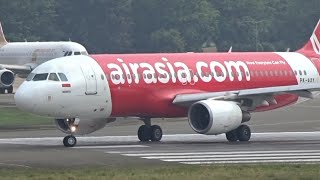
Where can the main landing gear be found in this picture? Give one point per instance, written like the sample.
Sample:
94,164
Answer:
148,132
9,90
242,133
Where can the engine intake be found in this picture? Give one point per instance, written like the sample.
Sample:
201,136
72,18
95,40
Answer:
6,77
213,117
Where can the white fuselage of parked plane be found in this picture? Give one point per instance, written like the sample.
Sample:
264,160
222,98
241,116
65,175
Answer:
22,53
22,57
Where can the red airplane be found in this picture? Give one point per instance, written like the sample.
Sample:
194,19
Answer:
216,91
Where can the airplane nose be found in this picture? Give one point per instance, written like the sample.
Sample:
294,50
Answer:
24,98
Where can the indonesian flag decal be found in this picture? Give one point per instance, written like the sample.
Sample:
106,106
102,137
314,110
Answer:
66,85
66,88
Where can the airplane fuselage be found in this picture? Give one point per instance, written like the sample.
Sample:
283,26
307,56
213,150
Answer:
159,77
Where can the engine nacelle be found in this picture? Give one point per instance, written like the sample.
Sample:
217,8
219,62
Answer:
6,77
213,117
77,127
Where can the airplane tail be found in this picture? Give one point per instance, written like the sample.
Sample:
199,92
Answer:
3,40
313,45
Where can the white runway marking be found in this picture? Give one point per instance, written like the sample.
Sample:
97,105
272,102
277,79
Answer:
110,147
225,153
283,156
190,138
15,165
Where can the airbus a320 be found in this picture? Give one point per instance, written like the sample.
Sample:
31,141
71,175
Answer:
216,91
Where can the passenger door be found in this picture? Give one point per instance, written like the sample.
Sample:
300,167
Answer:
90,78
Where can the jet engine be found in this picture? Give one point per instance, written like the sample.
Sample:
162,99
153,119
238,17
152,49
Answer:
213,117
6,77
77,127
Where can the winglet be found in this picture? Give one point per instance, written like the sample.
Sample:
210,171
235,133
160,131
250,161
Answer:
3,40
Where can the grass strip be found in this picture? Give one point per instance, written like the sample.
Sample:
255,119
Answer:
239,172
11,116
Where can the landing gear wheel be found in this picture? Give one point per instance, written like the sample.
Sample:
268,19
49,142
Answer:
243,133
156,133
144,133
10,90
69,141
2,90
232,136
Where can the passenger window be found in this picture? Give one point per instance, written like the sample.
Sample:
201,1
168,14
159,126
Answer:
266,72
300,72
53,77
40,77
295,72
261,73
63,77
305,72
66,53
285,73
30,76
271,73
280,73
276,73
77,53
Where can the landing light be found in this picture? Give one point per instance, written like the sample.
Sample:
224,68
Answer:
73,128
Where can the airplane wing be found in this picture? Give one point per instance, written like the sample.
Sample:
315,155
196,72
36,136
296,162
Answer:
17,69
257,96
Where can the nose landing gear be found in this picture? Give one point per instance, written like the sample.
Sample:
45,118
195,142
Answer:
69,126
69,141
148,132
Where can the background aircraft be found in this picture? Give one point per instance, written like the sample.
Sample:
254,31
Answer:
22,57
216,91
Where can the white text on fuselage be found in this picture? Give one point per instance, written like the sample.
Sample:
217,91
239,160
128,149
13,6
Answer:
165,72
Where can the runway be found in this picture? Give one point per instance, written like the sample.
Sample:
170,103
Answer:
288,135
191,149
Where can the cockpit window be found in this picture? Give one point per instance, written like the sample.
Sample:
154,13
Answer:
40,77
66,53
63,77
84,53
70,53
77,53
53,77
30,76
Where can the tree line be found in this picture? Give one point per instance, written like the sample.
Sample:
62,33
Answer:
131,26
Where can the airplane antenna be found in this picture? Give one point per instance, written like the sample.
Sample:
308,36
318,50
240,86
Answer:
230,50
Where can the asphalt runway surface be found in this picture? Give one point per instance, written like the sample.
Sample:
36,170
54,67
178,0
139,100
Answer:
287,135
